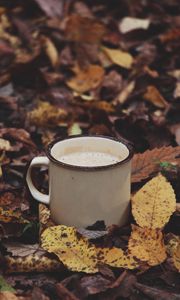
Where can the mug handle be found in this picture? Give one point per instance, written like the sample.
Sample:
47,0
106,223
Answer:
37,162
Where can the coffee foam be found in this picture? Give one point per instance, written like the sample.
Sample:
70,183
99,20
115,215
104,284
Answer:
89,159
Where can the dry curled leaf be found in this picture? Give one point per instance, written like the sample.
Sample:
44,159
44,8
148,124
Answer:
147,245
115,257
86,79
47,115
144,164
50,50
154,203
73,251
86,30
153,95
118,57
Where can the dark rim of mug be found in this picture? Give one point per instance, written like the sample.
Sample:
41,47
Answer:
128,144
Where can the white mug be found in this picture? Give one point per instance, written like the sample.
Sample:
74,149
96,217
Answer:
79,195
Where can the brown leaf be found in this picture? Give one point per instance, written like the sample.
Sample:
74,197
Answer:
156,293
8,296
64,293
81,29
154,203
147,245
51,9
95,284
22,250
144,164
18,134
86,79
153,95
170,35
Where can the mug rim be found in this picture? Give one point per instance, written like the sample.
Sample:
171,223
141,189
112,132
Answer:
128,144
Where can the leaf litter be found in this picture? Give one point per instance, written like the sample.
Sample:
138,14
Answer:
71,67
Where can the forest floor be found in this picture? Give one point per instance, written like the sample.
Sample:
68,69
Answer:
90,67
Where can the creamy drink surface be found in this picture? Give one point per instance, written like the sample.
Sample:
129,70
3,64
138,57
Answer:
89,159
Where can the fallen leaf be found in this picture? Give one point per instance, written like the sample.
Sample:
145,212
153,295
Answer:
4,286
47,115
125,93
31,263
177,90
147,245
176,257
44,217
8,215
95,284
115,257
153,95
128,24
63,293
119,57
50,50
82,29
170,35
86,79
175,129
74,129
144,164
73,251
4,145
154,203
92,234
8,296
18,134
22,250
51,9
156,293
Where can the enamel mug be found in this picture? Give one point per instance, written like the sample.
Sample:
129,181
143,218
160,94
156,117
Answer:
79,195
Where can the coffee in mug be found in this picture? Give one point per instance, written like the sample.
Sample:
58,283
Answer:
89,180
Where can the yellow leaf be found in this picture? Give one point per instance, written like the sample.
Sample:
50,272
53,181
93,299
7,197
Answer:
118,57
4,145
31,263
86,79
176,257
73,251
47,115
7,216
173,250
154,203
50,50
153,95
147,245
115,257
